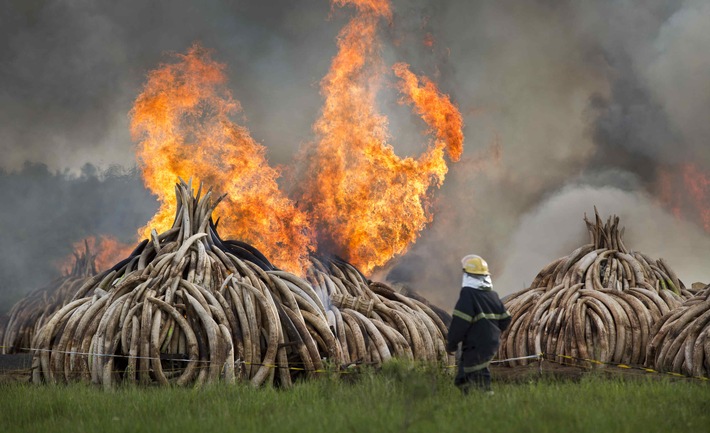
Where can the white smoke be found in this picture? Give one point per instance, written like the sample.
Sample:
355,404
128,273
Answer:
678,73
556,227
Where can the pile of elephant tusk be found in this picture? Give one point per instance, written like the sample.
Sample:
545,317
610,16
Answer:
33,311
681,341
600,302
188,308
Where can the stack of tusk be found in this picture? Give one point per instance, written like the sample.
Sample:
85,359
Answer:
600,302
31,312
680,341
188,308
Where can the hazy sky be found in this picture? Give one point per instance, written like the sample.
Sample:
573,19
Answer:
567,104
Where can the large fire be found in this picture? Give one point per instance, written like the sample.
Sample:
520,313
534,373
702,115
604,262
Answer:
182,120
366,203
360,200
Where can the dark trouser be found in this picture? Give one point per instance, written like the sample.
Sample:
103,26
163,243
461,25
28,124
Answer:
479,379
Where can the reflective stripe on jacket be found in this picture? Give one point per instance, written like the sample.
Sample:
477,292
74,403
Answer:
478,320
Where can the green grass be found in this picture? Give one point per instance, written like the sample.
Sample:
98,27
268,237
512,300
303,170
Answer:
400,398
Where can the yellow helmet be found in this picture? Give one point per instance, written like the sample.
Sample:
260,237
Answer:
473,264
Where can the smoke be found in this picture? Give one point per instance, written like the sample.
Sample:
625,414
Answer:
71,70
556,227
579,96
70,73
526,90
678,74
45,212
572,101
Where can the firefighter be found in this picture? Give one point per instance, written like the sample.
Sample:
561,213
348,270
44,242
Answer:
479,317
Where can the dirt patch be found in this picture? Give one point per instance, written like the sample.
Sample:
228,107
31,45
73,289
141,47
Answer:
536,371
548,370
15,368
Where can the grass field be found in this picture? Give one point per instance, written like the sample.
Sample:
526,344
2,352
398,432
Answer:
399,398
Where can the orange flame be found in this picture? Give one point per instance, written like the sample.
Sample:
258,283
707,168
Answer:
443,118
368,204
428,40
107,251
365,203
686,192
182,120
697,183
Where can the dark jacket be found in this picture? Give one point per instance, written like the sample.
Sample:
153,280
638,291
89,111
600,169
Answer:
478,320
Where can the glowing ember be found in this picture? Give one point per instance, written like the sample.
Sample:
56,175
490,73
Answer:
182,121
367,204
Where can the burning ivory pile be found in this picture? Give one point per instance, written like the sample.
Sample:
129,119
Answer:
33,311
681,341
189,308
600,302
